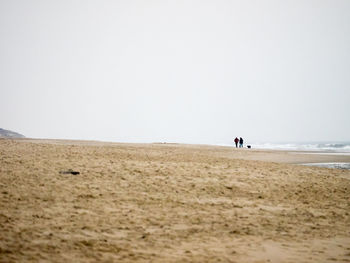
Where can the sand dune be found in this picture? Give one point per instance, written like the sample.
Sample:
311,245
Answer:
169,203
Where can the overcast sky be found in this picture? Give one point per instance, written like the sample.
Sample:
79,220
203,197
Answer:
176,71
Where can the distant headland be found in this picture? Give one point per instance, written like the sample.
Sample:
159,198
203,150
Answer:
10,134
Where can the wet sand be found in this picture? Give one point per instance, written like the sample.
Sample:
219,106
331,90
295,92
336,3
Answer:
169,203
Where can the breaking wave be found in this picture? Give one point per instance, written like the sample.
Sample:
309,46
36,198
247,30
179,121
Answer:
324,147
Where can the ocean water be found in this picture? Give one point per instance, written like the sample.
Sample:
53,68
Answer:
329,147
336,148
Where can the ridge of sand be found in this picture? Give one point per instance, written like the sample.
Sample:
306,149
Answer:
169,203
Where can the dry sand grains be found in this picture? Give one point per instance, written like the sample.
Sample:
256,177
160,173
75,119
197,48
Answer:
167,203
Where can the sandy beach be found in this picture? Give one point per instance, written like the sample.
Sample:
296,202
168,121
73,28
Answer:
169,203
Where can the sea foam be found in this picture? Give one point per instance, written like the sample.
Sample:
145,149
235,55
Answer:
319,147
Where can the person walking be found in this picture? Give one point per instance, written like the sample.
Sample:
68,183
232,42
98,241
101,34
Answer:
240,142
236,141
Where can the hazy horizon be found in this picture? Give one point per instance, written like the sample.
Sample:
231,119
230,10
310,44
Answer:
176,71
229,142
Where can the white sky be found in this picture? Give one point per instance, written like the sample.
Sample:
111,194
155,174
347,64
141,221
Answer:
176,71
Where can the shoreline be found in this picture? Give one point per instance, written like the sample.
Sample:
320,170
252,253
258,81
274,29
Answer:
300,157
332,165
